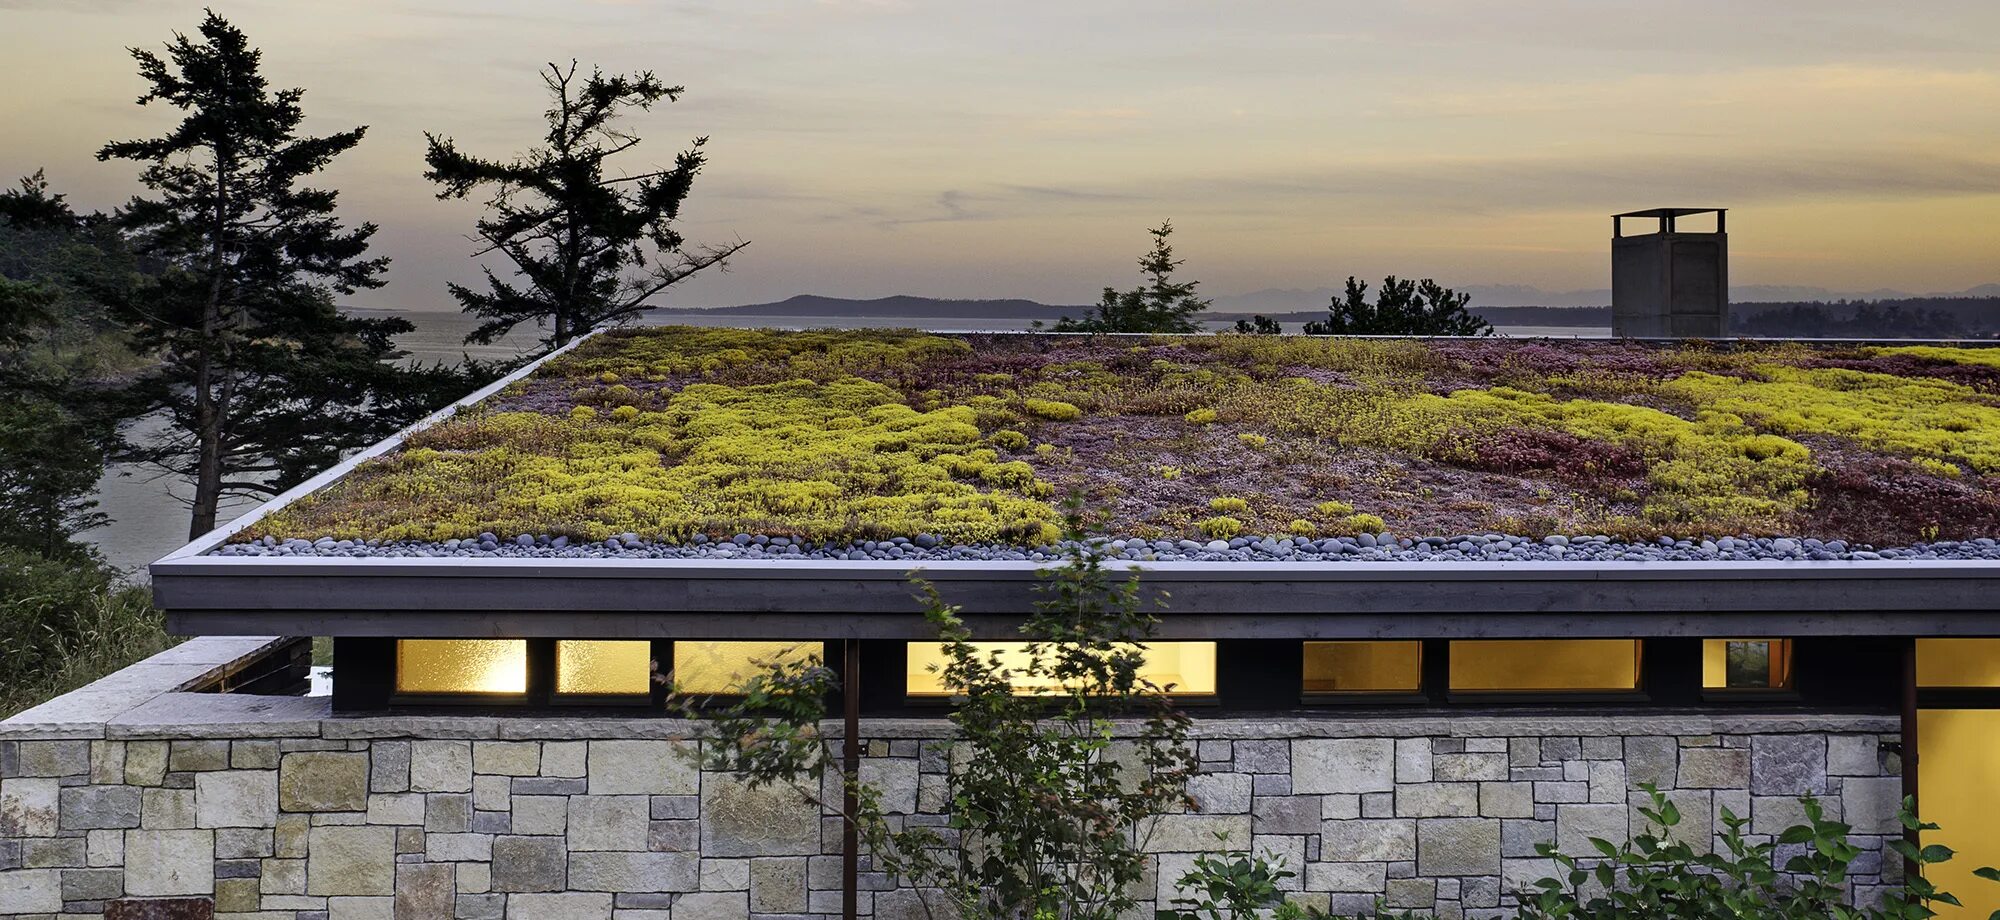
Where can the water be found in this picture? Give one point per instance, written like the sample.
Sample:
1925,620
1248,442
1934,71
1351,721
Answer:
149,511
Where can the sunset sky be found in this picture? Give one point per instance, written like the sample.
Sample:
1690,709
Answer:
873,147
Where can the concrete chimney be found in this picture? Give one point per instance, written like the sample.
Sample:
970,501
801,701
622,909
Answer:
1669,283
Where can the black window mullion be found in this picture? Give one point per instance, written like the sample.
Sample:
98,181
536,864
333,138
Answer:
541,672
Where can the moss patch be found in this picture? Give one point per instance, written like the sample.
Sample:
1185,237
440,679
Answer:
855,435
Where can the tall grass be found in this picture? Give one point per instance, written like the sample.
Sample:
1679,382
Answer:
65,623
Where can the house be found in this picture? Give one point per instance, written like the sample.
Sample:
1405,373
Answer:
1434,602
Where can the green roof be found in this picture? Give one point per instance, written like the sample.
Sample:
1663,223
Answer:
848,435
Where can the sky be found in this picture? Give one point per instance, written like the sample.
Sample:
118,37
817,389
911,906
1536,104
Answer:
1020,149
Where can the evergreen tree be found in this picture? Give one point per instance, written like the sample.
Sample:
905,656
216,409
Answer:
53,434
1401,307
1164,305
591,248
262,378
1259,324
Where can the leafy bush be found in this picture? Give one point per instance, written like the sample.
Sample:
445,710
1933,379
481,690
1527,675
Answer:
1654,876
64,623
1048,805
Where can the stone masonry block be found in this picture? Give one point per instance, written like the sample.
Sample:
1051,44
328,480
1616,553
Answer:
351,860
441,766
529,864
506,758
1458,846
1713,768
634,871
1366,840
566,906
641,768
99,808
608,822
740,821
1343,765
29,807
236,798
1787,764
1576,824
169,863
1195,833
323,781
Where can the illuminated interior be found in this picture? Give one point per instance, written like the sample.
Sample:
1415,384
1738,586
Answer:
1364,667
1185,668
1958,663
1958,771
1544,665
460,666
722,667
1746,664
604,667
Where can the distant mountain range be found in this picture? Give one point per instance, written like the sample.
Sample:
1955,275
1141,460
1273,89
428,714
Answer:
1501,303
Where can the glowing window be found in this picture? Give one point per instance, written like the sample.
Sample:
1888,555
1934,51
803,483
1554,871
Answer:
722,667
604,667
1958,764
1364,667
1958,662
1746,664
1545,665
461,666
1184,668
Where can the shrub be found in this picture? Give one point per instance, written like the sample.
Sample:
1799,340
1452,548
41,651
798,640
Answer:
1334,509
1302,528
1054,410
1008,439
1065,849
1200,417
64,623
1222,528
625,413
1228,504
583,413
1364,523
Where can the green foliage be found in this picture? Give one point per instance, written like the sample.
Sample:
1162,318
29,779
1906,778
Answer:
1631,440
64,623
1922,417
841,459
1228,504
1221,528
1657,875
1259,325
1401,307
1051,409
50,461
1047,799
1163,305
592,247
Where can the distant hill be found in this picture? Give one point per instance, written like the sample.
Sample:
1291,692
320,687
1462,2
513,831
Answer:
1942,316
897,305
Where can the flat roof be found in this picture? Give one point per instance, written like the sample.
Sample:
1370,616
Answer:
1329,458
1671,212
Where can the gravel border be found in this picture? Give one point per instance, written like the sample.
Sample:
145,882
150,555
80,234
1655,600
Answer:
926,548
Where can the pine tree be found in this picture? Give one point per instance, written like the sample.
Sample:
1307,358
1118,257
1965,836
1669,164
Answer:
262,379
1164,305
1401,308
590,248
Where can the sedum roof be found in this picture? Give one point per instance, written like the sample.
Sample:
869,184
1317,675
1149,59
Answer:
677,434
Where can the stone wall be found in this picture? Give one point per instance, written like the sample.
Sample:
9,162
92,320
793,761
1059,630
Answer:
273,809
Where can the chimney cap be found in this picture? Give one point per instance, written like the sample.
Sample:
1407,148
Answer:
1670,212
